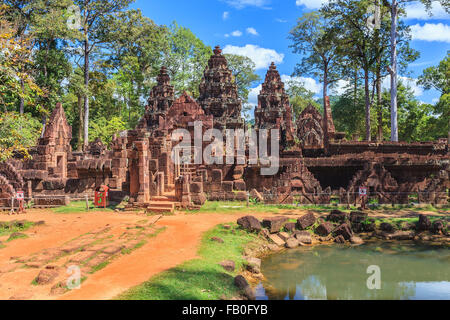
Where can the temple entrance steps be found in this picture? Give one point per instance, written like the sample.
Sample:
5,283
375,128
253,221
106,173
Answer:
162,204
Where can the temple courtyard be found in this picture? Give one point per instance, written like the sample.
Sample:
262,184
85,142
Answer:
117,251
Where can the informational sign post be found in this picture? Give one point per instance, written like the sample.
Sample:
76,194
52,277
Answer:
20,196
363,196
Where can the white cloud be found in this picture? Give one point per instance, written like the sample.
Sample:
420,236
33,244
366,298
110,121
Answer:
417,11
236,33
308,83
431,32
262,57
310,4
339,87
240,4
252,31
225,15
409,82
253,95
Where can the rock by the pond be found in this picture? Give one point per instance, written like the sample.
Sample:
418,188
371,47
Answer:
339,239
344,231
405,226
356,240
47,275
387,227
240,282
292,243
273,247
424,223
249,223
337,216
274,224
324,229
437,226
217,239
289,227
370,226
277,240
306,221
228,265
303,237
400,235
253,265
284,235
358,216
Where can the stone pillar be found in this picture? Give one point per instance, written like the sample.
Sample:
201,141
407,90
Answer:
160,183
143,169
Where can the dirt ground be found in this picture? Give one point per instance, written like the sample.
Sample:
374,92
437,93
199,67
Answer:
114,251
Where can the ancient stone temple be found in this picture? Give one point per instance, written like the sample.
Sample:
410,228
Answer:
155,167
219,95
273,110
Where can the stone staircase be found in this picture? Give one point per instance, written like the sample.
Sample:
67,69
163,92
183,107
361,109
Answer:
162,204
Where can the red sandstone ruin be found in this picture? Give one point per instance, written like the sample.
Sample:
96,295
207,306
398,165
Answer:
316,162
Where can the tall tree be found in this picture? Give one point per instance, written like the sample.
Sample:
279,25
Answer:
313,38
395,6
438,78
93,14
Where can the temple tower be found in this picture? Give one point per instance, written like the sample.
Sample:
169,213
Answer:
273,110
219,95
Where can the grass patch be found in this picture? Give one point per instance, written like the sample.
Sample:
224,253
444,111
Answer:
16,236
100,266
80,207
7,228
203,278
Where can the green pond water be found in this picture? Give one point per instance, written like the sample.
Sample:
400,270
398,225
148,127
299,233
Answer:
336,272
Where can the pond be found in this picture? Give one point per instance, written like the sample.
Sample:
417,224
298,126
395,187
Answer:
397,271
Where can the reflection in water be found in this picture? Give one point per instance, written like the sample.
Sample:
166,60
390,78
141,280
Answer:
408,271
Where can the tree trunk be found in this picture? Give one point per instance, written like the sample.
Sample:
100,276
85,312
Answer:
367,102
21,100
81,120
379,104
86,87
393,71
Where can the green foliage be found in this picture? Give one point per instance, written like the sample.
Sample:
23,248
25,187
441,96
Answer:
105,129
17,134
300,97
243,69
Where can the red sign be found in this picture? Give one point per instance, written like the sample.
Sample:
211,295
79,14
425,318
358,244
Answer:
362,191
20,195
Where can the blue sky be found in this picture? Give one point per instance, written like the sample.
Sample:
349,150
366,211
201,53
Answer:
259,30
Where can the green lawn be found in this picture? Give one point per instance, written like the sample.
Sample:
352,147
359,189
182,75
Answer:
7,228
199,279
80,207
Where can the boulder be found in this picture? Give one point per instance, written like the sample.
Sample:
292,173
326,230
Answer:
274,224
253,265
339,239
370,226
217,239
358,216
284,235
303,237
337,216
356,240
344,231
289,227
306,221
437,226
249,223
47,275
277,240
228,265
400,235
424,223
387,227
240,282
292,243
324,229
